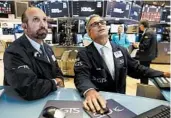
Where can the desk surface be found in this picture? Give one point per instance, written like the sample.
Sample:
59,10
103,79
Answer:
11,105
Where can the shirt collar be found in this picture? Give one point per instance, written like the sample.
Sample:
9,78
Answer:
34,43
144,31
98,46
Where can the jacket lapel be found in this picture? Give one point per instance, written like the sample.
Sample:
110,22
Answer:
115,49
97,58
31,50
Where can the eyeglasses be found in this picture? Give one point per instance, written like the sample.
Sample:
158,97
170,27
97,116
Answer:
95,24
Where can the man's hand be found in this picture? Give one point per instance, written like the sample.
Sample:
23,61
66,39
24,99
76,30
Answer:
60,82
166,74
94,101
135,45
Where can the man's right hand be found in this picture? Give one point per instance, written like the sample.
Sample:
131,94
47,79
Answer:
94,101
60,82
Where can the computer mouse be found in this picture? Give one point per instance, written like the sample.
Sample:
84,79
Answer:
104,111
53,112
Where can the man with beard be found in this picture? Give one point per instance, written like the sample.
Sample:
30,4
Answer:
103,66
30,66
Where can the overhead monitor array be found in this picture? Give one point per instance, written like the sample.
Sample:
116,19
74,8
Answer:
112,8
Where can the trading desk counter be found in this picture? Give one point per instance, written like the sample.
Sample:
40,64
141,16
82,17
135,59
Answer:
12,106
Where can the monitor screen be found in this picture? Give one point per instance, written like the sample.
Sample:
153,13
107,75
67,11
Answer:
6,7
118,9
166,17
87,8
79,38
131,37
151,13
53,8
18,28
159,37
114,28
42,5
135,12
81,26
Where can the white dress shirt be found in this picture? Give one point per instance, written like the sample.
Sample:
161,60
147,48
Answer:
109,54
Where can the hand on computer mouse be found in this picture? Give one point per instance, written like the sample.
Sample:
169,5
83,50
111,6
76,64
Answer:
94,101
53,112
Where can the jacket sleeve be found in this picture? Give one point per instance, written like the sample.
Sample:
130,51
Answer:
144,45
21,77
136,70
82,69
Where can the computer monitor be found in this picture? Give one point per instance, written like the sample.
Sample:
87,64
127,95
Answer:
53,8
81,26
118,9
135,12
151,13
114,28
166,16
131,37
18,28
79,38
87,8
159,37
58,8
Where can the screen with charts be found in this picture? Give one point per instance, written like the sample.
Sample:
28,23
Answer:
54,8
135,12
87,8
151,13
118,9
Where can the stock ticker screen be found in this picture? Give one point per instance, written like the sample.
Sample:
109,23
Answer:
87,8
118,9
151,13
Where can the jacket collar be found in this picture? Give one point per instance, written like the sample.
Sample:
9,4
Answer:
32,51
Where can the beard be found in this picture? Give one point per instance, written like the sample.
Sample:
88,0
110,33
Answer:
41,33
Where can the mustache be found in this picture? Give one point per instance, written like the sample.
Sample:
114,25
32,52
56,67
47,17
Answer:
42,29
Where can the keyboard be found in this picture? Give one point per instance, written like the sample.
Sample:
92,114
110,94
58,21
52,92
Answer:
161,111
162,83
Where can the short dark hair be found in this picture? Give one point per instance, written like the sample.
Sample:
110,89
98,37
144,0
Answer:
145,23
24,18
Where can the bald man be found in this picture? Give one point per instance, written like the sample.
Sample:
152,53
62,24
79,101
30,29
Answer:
30,66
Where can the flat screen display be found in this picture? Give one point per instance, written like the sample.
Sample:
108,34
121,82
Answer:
87,8
135,12
151,13
5,7
118,9
166,17
53,8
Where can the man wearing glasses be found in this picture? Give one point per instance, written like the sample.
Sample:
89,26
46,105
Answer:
103,66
